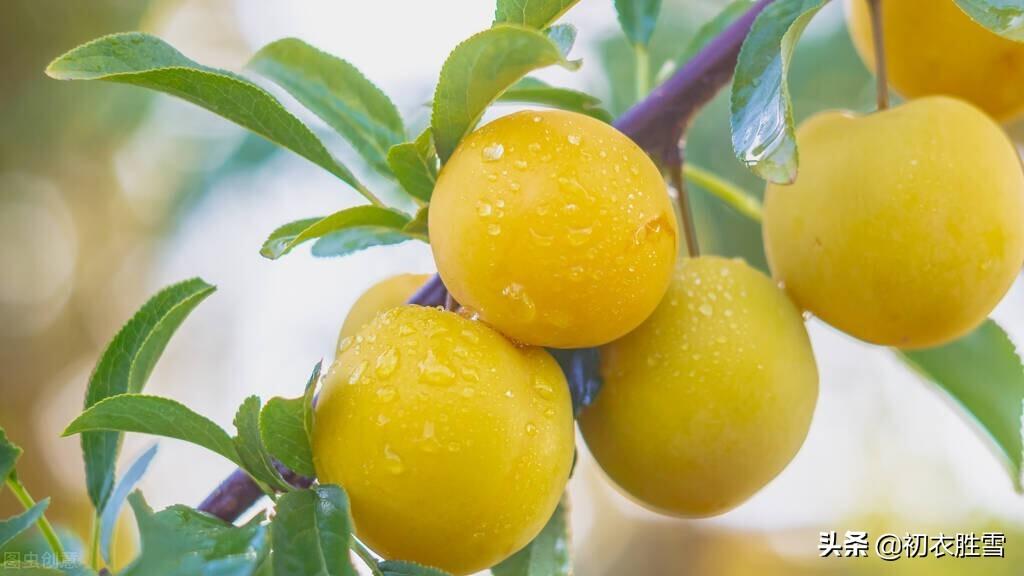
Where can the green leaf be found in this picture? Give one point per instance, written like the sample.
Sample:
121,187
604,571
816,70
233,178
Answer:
478,71
66,569
564,36
531,13
338,93
15,525
983,373
286,427
546,555
312,532
249,444
1004,17
403,568
414,164
534,91
763,137
126,365
157,416
419,226
366,223
638,18
712,28
112,510
147,61
9,454
180,541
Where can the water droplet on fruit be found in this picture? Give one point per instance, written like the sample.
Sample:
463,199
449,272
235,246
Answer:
382,419
387,362
509,393
706,309
492,177
434,371
517,294
531,429
357,374
393,461
386,394
493,229
574,139
483,208
470,336
541,239
493,152
469,391
576,273
579,236
520,164
533,147
543,389
345,344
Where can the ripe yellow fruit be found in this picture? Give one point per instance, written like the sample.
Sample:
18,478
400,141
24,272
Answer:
710,398
384,295
555,227
454,445
932,47
904,227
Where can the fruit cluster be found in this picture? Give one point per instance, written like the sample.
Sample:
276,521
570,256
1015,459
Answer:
452,431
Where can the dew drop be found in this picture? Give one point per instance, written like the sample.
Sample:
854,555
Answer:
386,394
393,461
579,236
517,294
520,164
387,362
531,429
483,208
493,152
357,374
493,229
706,309
574,139
533,147
434,371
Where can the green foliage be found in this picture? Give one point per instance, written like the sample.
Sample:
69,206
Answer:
126,365
180,541
763,136
15,525
1004,17
9,454
312,532
67,569
712,28
112,510
352,229
414,164
546,555
478,71
144,60
532,13
983,373
419,224
286,427
400,568
157,416
638,18
564,36
534,91
255,458
338,93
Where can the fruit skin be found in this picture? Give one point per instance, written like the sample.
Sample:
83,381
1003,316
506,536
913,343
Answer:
454,445
933,47
555,227
708,399
904,227
384,295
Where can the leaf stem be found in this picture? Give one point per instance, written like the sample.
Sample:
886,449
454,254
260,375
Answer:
881,69
367,557
369,195
643,71
45,527
725,191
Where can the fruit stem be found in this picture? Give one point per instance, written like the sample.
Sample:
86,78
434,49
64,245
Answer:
675,170
726,191
881,71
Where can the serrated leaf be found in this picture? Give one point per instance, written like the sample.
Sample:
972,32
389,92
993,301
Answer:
478,71
414,165
282,427
9,454
983,373
564,36
157,416
15,525
338,93
180,541
638,18
532,13
582,369
256,460
1004,17
712,28
403,568
126,365
533,91
147,61
312,532
112,510
367,223
763,137
345,242
546,555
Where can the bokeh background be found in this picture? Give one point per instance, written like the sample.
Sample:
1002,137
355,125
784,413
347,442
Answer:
108,193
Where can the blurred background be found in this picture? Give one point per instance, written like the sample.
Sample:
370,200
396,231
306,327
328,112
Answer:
108,193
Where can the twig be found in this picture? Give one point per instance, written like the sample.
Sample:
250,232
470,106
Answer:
881,69
654,123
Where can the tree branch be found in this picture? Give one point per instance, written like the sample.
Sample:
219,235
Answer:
655,123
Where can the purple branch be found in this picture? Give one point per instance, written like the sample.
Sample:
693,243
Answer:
655,124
